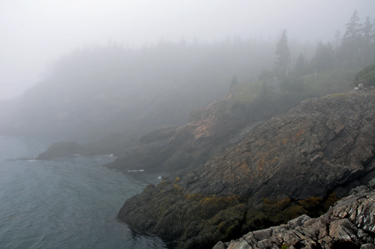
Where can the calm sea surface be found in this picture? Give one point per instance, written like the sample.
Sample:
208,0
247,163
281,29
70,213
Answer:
69,202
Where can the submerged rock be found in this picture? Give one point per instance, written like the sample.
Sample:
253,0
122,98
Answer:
286,167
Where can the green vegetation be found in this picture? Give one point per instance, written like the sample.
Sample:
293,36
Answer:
366,76
272,93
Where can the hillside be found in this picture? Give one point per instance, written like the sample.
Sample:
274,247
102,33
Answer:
93,92
210,129
286,167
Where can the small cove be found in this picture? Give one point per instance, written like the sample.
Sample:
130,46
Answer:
68,202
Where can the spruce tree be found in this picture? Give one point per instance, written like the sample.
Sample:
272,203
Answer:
282,56
350,51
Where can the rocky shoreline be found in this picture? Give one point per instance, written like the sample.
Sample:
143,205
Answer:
287,167
179,149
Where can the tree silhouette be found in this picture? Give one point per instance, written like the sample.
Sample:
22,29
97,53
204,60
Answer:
350,51
282,56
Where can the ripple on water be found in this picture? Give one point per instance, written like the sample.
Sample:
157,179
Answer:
65,203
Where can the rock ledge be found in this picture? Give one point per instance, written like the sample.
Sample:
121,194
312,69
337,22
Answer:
349,224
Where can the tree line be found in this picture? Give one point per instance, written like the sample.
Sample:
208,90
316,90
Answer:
354,50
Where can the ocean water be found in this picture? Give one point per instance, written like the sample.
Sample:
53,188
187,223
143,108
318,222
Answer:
68,202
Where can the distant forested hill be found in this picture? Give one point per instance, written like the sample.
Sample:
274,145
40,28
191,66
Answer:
95,91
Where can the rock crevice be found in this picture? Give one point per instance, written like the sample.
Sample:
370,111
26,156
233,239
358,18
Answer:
349,224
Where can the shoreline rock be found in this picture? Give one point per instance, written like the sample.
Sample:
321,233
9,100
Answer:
349,224
287,165
113,144
60,149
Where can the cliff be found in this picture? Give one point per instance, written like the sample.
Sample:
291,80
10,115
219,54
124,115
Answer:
349,224
286,167
210,130
179,149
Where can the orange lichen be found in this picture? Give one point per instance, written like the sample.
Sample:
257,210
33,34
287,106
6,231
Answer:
286,140
244,168
261,163
300,133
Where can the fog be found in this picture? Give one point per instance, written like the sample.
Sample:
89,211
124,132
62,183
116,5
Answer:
36,33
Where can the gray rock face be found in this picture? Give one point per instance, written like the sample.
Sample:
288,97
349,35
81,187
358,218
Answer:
349,224
325,144
212,129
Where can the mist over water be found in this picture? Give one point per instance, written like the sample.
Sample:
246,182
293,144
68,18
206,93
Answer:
112,73
64,203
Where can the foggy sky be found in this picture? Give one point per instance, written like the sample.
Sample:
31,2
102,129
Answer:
34,33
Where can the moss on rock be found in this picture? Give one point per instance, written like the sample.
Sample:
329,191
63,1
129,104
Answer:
198,221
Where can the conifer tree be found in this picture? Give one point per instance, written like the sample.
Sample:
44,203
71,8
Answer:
282,56
350,51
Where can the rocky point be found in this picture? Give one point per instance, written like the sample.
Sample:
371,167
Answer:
292,164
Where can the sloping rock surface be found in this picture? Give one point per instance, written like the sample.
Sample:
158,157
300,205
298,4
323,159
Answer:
324,145
210,130
349,224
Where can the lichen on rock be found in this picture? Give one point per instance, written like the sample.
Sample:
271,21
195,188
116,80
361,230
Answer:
349,224
288,166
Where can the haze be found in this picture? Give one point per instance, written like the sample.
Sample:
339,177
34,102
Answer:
35,33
